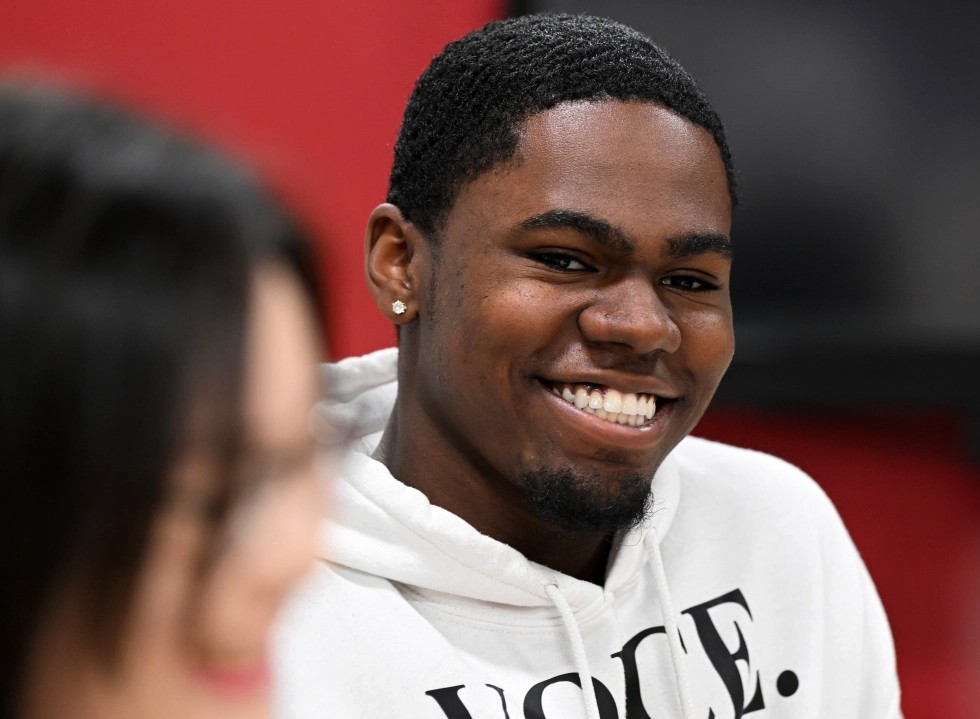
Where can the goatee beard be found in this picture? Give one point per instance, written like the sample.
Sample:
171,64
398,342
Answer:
583,503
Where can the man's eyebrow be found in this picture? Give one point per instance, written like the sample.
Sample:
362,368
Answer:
699,244
594,228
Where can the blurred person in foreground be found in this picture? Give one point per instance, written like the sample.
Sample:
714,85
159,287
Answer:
528,530
158,343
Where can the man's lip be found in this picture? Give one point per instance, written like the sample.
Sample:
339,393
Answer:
240,680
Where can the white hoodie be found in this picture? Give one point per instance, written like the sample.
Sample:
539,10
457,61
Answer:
742,595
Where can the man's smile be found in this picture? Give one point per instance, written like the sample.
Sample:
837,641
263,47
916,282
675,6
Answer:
612,405
611,416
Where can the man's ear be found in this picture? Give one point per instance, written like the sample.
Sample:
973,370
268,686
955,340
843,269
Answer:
392,248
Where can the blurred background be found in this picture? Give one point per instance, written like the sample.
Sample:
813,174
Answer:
855,131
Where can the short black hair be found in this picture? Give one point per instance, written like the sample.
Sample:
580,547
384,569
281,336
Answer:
468,108
127,258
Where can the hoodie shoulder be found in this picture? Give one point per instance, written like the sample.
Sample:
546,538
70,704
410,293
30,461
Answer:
718,454
731,470
738,488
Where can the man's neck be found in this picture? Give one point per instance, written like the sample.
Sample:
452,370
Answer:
494,507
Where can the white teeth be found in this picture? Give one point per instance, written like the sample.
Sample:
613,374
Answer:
626,408
612,402
651,407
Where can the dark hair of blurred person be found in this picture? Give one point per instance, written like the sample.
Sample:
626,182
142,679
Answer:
158,346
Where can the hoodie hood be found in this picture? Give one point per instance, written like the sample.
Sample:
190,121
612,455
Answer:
385,528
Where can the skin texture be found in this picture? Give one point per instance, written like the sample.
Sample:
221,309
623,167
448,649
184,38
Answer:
598,255
196,645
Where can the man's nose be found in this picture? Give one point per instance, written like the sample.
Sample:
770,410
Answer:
630,312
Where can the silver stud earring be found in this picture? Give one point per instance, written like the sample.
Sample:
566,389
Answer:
398,307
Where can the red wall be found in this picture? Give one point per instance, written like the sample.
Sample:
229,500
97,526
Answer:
310,90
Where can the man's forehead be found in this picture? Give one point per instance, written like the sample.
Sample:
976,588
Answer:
610,151
583,141
575,121
618,174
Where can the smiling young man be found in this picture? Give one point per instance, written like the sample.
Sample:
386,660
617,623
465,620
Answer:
527,529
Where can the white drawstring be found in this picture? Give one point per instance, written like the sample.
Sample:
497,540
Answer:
677,657
578,649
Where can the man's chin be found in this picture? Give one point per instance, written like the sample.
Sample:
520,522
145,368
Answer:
586,503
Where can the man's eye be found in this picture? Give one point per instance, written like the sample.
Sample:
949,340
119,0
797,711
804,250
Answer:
688,283
561,262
